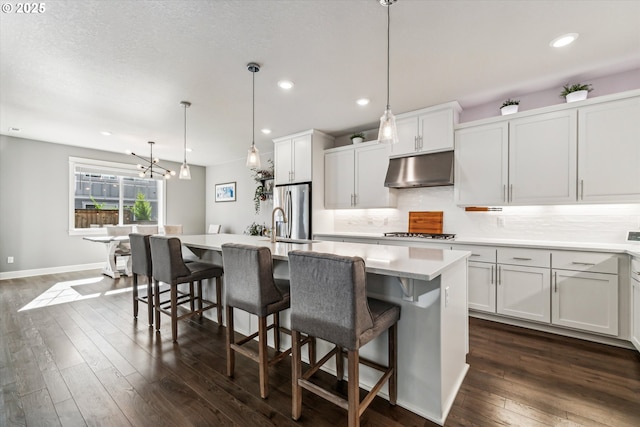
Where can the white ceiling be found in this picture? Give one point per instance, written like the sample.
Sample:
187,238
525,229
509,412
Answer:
82,67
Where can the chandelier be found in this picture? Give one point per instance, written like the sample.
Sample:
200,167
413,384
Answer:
152,163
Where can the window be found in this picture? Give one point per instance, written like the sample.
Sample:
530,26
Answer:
106,193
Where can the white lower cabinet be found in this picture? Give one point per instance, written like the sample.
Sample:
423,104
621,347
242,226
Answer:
523,292
585,291
482,288
635,302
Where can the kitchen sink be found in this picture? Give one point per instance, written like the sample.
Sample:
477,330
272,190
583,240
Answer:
285,240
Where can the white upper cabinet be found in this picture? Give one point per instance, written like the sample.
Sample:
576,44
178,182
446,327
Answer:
293,159
542,159
560,155
609,152
427,130
481,164
354,177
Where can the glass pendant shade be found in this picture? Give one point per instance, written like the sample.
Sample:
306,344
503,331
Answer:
388,133
253,157
185,171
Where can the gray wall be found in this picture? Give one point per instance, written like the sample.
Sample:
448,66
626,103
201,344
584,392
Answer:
34,204
236,216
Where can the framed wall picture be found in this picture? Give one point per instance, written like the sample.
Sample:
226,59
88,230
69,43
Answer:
226,192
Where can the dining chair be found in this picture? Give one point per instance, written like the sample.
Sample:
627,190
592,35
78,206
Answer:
174,230
214,229
124,248
146,229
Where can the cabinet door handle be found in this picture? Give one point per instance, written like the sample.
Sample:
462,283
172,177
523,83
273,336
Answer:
583,263
521,258
420,142
504,193
491,276
582,189
555,279
355,200
415,143
472,254
499,275
511,192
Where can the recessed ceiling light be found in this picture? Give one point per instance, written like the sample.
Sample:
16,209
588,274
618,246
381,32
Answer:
564,40
362,101
266,131
14,129
285,84
105,133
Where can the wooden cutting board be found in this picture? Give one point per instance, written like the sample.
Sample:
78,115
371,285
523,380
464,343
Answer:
425,222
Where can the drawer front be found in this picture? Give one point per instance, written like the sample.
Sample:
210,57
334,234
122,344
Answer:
594,262
529,257
478,253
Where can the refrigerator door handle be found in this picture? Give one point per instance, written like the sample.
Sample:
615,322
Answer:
289,212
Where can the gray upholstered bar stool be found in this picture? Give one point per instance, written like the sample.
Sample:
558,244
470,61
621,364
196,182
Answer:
169,267
250,286
141,265
329,301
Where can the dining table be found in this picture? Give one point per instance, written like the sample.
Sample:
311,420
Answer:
111,244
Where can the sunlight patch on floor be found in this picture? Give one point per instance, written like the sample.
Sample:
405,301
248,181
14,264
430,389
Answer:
63,292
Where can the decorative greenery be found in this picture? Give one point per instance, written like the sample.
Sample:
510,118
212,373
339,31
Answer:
510,102
255,229
141,208
260,176
567,89
97,205
357,135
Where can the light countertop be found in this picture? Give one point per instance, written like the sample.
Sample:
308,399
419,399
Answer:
399,261
625,248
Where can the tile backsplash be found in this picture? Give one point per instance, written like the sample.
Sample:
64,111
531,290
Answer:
604,223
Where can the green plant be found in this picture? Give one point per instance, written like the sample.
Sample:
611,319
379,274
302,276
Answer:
258,197
141,208
97,205
357,135
510,102
255,229
567,89
262,174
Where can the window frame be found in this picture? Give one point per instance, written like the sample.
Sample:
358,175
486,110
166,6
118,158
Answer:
114,168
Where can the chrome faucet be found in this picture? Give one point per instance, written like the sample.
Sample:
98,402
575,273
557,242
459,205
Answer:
273,220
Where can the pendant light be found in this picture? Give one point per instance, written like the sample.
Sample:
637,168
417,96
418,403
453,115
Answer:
388,131
185,172
253,156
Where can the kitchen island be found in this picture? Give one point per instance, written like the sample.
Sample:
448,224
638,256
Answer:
431,287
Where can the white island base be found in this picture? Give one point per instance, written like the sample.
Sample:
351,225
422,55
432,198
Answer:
433,326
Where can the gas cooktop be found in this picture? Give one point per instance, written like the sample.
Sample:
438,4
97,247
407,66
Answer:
421,235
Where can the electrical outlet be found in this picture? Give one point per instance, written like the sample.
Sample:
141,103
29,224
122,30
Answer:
446,296
500,222
9,260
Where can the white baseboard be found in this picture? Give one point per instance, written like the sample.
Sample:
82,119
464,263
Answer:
51,270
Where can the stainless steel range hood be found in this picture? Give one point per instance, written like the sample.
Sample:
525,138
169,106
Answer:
426,170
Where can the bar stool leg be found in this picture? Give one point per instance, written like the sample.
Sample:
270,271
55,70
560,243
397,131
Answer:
156,292
312,351
276,331
231,360
199,298
150,301
263,357
393,363
174,311
296,373
191,299
219,299
353,389
340,364
135,296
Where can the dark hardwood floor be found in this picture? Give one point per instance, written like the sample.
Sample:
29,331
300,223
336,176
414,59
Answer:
78,358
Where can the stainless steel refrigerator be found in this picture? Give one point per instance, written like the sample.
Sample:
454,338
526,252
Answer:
296,201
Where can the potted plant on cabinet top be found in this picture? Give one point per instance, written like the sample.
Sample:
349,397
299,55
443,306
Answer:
509,106
575,92
357,138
